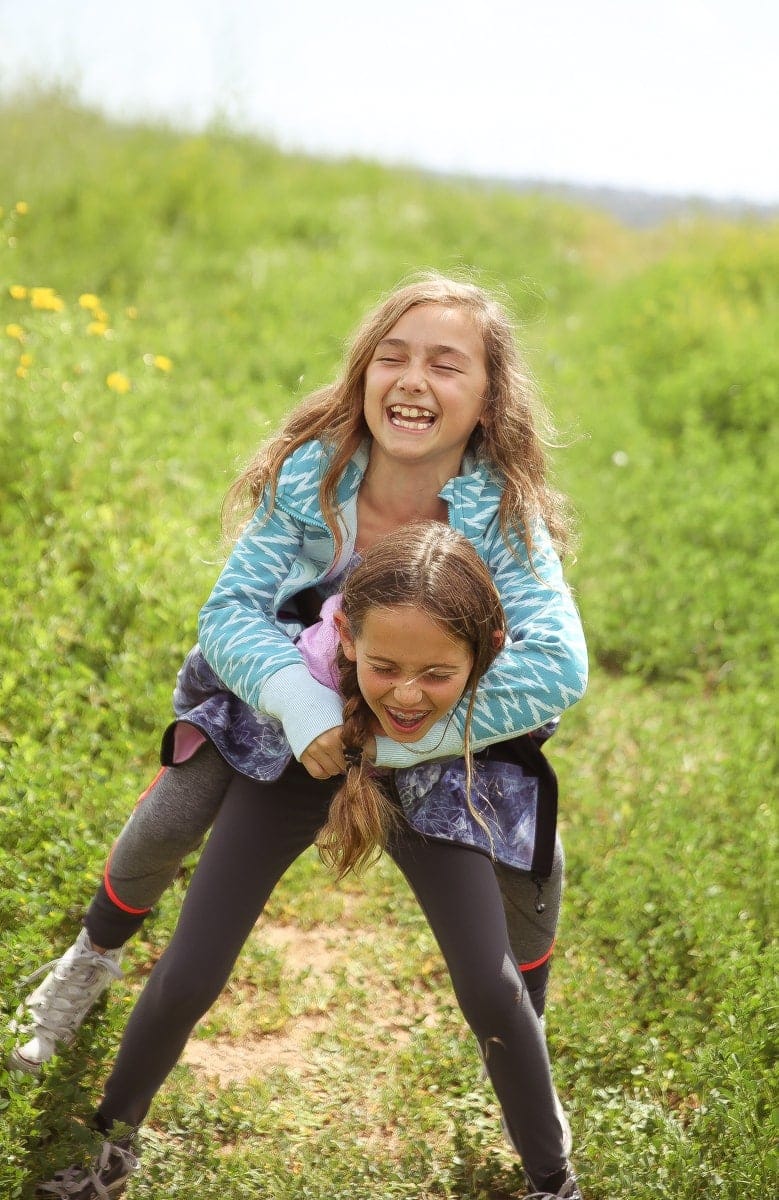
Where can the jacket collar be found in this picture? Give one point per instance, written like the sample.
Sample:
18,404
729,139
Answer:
472,496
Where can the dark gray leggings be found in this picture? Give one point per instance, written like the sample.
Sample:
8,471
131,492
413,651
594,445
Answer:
176,811
259,831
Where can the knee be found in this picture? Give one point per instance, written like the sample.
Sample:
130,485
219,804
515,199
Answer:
490,1001
172,845
146,846
183,994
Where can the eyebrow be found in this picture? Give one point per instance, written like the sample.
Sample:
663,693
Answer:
432,351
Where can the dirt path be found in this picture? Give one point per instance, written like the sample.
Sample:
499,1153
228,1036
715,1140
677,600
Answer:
317,960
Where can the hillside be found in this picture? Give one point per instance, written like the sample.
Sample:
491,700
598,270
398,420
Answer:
165,298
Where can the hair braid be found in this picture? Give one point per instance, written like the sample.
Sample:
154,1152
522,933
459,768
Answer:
361,815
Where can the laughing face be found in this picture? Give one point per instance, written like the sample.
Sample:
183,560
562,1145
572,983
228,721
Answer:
425,388
410,671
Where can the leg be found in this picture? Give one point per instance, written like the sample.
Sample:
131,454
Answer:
458,891
532,934
532,938
259,831
171,819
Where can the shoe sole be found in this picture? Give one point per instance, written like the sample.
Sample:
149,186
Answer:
111,1189
17,1063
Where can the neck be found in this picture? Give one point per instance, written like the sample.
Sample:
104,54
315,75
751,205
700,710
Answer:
405,492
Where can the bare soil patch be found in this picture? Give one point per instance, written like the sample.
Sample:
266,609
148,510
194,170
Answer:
320,957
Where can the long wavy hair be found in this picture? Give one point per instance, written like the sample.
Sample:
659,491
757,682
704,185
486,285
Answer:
429,566
511,439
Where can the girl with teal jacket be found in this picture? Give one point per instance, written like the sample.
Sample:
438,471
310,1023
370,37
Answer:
250,625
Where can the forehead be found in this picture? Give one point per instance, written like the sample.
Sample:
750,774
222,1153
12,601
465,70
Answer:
440,325
405,635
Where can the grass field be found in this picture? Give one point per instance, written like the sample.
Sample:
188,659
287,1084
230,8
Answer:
163,299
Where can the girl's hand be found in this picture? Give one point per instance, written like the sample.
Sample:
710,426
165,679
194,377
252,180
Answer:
324,757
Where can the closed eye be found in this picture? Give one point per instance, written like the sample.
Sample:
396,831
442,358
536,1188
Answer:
432,676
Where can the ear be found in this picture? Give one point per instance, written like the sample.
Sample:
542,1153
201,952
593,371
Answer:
498,640
345,636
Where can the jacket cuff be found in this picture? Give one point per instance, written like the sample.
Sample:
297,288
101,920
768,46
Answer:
444,740
305,708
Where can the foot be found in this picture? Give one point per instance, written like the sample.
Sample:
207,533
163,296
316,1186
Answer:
106,1177
52,1015
563,1185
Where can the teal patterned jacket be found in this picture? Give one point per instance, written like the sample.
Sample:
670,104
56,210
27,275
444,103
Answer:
248,625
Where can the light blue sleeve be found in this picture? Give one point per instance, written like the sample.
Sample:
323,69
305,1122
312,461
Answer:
241,642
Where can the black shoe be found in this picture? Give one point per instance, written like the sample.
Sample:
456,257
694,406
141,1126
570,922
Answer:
105,1178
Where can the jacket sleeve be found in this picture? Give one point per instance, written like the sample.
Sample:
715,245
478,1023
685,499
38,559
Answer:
242,643
541,671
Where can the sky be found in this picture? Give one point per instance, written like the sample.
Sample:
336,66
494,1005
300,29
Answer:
674,97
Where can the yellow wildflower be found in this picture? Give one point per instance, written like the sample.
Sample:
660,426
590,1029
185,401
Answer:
118,382
18,291
15,331
47,299
97,328
89,300
25,360
21,372
22,207
162,362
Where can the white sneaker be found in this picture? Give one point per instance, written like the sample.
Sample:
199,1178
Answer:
53,1013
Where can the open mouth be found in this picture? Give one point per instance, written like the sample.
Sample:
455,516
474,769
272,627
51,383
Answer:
406,722
410,416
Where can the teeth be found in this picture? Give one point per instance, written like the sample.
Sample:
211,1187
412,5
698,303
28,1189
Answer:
408,718
403,410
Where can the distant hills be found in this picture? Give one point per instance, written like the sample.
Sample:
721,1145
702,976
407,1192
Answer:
640,209
631,206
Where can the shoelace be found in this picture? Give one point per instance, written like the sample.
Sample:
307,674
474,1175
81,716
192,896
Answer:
90,956
72,1180
61,1012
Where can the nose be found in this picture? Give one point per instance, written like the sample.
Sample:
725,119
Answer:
408,693
412,380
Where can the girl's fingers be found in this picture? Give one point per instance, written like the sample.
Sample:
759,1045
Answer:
324,757
320,765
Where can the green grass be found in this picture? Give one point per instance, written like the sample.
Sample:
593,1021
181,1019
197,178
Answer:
657,353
